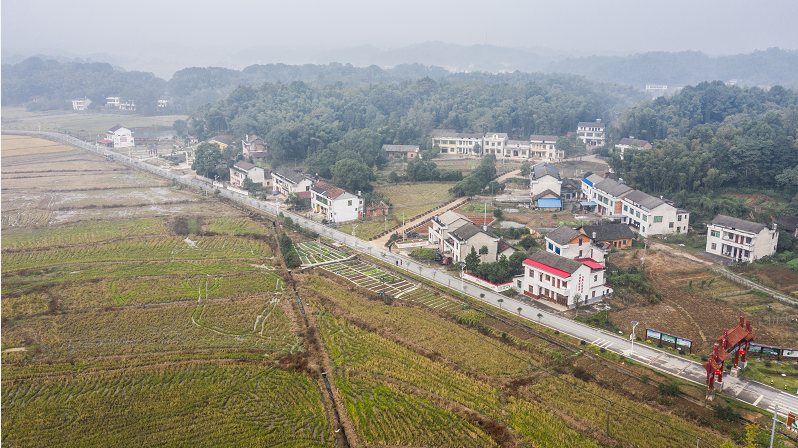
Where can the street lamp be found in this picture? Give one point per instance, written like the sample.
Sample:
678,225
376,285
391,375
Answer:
462,277
632,338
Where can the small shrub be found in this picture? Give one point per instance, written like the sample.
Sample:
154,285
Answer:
582,374
726,412
556,332
582,342
768,364
602,349
668,390
644,378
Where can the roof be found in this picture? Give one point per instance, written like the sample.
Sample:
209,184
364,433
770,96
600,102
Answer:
590,124
503,245
400,148
544,138
646,201
443,133
612,187
497,134
304,194
449,217
590,263
466,231
738,224
517,142
291,175
549,203
543,195
790,222
466,135
105,141
115,128
252,139
592,179
325,189
634,141
609,232
588,204
223,139
542,170
563,235
554,264
244,166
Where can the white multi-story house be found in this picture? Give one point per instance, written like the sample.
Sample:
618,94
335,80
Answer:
544,177
573,243
653,216
242,170
253,146
465,143
588,186
459,242
334,203
112,101
631,143
592,133
517,149
543,147
608,194
443,224
127,105
558,280
656,89
81,104
494,143
164,102
121,137
287,181
740,240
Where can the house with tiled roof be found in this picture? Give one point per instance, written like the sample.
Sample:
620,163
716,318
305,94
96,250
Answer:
740,240
335,204
543,147
631,143
399,151
460,241
253,146
442,224
287,181
790,224
591,132
242,170
607,194
120,137
558,280
222,140
650,215
615,235
572,242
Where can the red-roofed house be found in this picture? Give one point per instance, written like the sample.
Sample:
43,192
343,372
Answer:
558,280
334,203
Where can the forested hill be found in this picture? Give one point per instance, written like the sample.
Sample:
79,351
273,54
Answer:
54,85
300,120
714,138
760,68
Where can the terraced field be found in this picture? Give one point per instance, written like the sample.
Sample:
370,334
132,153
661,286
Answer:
311,252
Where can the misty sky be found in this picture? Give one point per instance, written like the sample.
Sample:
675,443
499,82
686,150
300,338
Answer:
160,28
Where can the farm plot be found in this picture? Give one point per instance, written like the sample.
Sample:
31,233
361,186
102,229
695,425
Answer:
236,225
188,404
311,252
127,197
16,146
85,232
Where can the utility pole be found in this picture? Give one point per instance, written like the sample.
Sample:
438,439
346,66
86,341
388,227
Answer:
403,227
773,430
632,338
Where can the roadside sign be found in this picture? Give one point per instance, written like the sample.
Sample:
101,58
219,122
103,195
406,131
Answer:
792,422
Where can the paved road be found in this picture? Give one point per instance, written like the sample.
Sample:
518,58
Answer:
751,392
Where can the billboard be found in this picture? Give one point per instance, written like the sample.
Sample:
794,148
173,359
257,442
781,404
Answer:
651,334
792,422
668,338
789,353
684,342
770,351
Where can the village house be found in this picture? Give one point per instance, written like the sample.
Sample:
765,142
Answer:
465,143
592,133
631,143
127,105
253,146
222,140
376,209
615,235
790,224
399,151
740,240
652,216
462,239
443,224
543,147
573,243
112,101
164,102
545,186
607,194
81,104
287,181
334,203
517,149
242,170
119,137
494,143
558,280
446,139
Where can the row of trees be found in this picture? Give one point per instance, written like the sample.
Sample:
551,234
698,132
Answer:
475,182
210,160
501,271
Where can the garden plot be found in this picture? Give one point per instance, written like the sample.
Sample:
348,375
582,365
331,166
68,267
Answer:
377,280
311,252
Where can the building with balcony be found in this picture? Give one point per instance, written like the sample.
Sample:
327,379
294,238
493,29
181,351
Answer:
631,143
460,241
242,170
446,139
517,150
608,194
494,143
652,216
543,147
120,137
558,280
574,242
740,240
336,204
287,181
592,133
442,225
81,104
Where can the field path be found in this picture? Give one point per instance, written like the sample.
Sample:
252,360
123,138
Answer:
383,240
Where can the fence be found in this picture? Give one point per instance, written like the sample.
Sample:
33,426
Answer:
487,284
745,282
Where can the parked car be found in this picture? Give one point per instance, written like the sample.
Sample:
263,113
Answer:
438,256
446,260
412,234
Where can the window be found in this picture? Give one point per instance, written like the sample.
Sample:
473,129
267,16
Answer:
748,240
658,219
551,246
679,217
714,246
637,214
645,218
580,253
715,233
670,225
557,251
625,208
595,278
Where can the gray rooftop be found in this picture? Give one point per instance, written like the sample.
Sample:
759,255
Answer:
291,175
543,138
542,169
595,178
465,232
400,148
590,124
555,261
612,187
738,224
645,201
563,235
609,232
244,166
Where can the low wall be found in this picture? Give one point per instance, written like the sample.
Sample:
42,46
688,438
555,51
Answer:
487,284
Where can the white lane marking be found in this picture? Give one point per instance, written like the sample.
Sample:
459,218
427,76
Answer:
758,400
